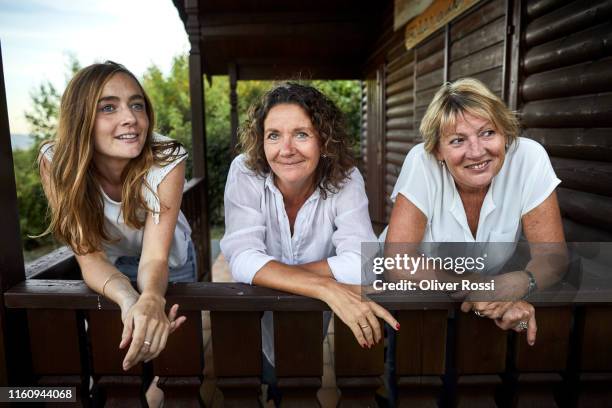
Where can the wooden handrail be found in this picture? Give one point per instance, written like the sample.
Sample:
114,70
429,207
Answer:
215,296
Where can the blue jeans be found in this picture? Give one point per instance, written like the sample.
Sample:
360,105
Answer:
128,265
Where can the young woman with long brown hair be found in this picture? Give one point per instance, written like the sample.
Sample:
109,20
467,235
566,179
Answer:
114,190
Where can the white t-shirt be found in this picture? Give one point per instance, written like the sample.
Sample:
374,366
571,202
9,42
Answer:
525,180
129,239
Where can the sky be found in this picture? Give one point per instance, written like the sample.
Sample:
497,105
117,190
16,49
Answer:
37,36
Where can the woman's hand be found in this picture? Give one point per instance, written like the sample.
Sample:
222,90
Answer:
507,315
146,325
361,316
492,310
516,317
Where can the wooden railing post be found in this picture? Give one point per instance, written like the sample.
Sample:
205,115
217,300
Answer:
595,357
298,351
480,356
420,356
539,367
181,364
236,342
198,131
59,351
116,386
15,364
358,369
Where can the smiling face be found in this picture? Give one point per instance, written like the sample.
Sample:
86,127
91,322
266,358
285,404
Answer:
121,123
291,146
474,152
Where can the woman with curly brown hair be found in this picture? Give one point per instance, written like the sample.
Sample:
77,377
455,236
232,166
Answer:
296,212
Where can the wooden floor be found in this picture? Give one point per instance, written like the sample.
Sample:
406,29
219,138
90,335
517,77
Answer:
328,394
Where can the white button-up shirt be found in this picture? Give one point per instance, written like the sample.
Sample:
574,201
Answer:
257,227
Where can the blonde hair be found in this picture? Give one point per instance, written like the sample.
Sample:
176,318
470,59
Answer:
75,201
467,95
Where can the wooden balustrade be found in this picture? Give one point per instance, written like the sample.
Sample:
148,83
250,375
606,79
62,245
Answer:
442,355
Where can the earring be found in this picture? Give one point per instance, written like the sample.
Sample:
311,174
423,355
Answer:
324,156
442,163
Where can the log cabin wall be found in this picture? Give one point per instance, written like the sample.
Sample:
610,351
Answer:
550,60
565,101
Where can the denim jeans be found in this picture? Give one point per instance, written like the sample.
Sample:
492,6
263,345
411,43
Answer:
128,265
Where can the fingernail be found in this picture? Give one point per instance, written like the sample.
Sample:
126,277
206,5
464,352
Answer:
397,326
531,343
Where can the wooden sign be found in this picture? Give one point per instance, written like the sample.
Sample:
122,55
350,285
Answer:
436,16
406,10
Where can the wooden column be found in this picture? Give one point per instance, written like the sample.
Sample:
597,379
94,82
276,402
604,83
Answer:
114,386
358,369
420,357
236,342
298,353
233,80
198,126
15,364
181,364
480,353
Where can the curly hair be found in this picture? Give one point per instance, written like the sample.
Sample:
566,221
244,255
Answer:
336,157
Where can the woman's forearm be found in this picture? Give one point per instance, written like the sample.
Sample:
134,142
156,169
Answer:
104,278
153,277
295,279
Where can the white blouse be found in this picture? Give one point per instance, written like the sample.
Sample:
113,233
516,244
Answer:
257,228
127,240
525,180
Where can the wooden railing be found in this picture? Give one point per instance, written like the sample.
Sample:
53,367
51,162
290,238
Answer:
442,355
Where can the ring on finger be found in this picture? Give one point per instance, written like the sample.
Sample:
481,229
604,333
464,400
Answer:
147,343
365,326
478,313
522,325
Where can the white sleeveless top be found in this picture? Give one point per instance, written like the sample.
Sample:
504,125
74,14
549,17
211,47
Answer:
129,240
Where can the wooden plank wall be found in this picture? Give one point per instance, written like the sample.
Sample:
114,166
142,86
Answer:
566,104
400,135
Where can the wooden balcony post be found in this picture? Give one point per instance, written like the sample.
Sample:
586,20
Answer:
236,342
233,79
298,351
15,364
420,356
358,370
198,131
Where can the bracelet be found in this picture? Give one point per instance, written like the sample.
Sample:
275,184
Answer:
532,286
110,278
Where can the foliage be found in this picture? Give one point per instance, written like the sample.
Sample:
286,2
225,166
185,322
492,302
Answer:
170,98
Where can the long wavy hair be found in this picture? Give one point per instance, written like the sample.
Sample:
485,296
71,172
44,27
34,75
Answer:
75,199
336,158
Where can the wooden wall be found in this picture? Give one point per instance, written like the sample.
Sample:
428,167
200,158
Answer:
550,60
565,100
